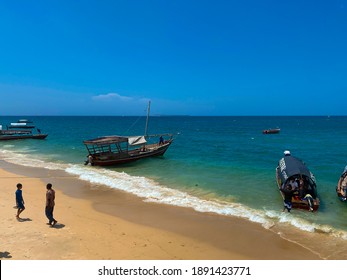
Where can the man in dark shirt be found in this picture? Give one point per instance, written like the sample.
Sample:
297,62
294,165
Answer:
50,197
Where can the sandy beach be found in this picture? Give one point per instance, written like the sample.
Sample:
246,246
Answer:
98,223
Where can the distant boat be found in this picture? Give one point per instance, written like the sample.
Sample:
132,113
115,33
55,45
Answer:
22,124
272,131
291,169
16,135
115,150
341,189
23,129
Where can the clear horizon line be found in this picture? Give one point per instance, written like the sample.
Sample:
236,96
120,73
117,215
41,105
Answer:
172,115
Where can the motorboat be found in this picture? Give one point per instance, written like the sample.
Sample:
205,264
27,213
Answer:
341,189
292,170
271,131
23,129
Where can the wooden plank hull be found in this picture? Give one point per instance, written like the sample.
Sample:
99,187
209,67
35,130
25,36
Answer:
24,136
131,156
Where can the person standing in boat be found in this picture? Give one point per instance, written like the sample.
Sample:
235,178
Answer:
294,184
305,196
161,140
89,160
288,193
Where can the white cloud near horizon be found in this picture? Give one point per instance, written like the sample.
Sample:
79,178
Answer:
112,96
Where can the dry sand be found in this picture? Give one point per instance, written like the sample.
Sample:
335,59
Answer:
97,223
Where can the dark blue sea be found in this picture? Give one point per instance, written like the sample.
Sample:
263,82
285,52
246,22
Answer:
222,165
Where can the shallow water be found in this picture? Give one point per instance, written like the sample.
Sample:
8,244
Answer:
223,165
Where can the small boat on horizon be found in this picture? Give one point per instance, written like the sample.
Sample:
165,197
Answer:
293,173
271,131
114,150
341,189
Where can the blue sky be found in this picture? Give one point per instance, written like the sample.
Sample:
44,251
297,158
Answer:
198,57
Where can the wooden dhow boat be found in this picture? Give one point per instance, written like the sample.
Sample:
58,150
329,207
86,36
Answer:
115,150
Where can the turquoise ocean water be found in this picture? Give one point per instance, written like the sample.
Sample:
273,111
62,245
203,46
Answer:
223,165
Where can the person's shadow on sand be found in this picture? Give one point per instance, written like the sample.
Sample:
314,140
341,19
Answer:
24,220
58,226
5,255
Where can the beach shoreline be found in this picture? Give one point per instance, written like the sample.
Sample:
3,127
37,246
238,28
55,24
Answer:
98,223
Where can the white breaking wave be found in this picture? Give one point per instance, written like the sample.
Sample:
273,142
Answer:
26,159
151,191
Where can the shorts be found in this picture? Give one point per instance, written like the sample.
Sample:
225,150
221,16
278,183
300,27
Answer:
20,206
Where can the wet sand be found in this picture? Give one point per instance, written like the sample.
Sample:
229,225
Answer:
98,223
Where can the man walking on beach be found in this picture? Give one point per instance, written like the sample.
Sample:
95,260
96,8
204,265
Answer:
50,197
19,200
